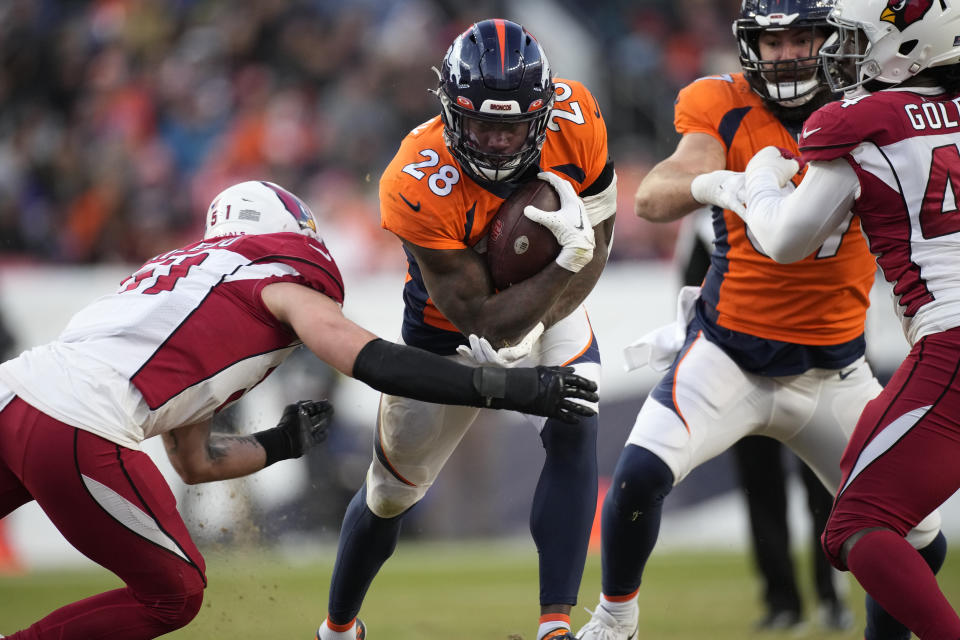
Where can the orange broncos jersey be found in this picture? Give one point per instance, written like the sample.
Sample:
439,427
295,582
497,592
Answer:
427,199
821,300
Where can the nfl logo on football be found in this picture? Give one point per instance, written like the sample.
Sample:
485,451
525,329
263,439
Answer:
520,245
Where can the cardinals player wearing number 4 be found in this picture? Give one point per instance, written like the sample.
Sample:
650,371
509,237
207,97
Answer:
181,339
760,348
504,119
890,150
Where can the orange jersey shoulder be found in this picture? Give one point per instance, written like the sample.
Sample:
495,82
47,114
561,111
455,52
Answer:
821,300
576,143
726,108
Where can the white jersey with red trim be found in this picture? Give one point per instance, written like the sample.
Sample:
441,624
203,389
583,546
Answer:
182,338
904,145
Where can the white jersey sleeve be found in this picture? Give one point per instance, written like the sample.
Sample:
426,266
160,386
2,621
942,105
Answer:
791,224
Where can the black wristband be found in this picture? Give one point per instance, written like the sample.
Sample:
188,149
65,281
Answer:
491,383
516,389
276,443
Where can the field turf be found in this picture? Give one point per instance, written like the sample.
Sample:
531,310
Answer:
469,591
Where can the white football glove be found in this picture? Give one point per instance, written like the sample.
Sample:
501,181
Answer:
720,188
771,161
570,224
482,352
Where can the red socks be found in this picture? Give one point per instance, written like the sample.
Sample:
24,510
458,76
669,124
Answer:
892,571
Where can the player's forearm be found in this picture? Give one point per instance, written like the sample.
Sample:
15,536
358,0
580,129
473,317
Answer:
221,457
507,316
664,194
233,456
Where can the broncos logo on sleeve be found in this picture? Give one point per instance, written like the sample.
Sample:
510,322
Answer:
821,300
428,200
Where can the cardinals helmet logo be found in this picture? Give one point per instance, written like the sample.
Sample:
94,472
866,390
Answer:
903,13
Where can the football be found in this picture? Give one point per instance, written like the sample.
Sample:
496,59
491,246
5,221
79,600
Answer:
518,247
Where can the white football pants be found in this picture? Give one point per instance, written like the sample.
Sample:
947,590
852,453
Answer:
716,403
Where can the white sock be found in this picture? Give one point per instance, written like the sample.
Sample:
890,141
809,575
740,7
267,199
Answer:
620,609
326,633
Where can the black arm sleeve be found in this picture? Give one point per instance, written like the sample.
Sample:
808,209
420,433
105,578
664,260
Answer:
401,370
407,371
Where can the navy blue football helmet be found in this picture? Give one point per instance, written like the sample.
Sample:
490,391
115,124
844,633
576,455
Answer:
789,83
495,72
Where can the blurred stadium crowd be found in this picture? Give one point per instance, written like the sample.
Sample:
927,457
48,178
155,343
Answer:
121,119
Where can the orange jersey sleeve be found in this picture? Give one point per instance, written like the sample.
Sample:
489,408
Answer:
576,143
821,300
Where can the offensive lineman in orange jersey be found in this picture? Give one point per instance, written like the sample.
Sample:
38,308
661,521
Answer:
760,348
504,120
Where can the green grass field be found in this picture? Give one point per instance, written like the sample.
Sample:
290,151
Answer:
438,590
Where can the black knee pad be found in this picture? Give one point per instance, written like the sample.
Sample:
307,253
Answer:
570,441
641,480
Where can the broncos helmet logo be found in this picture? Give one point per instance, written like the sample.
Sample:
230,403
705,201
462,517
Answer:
903,13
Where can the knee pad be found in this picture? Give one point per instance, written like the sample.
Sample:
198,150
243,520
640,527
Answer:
641,480
191,607
388,497
174,612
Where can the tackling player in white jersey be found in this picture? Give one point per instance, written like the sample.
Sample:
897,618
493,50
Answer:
890,151
182,338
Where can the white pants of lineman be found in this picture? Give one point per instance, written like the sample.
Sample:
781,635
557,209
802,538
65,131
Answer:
717,403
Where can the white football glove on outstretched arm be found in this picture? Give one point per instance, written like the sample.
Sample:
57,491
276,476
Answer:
482,352
570,224
720,188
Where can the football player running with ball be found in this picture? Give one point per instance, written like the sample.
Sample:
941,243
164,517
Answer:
181,339
890,150
503,120
761,348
